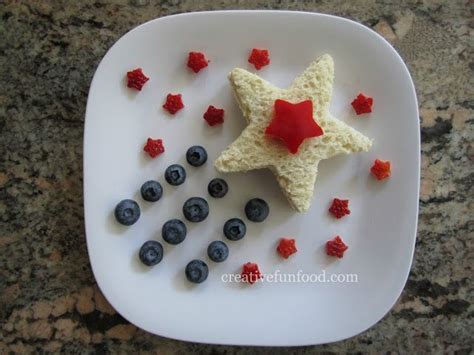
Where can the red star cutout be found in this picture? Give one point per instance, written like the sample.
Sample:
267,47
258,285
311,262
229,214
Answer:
214,115
362,104
381,169
339,208
250,273
154,147
259,58
197,61
173,103
293,123
136,79
287,247
336,247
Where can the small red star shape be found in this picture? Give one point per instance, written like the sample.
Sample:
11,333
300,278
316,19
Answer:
173,103
293,123
362,104
336,247
197,61
287,247
381,169
259,58
214,115
250,273
154,147
136,79
339,208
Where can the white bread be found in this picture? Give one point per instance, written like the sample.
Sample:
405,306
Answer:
296,173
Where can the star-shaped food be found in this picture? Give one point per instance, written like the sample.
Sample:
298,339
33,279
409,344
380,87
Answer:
293,123
256,148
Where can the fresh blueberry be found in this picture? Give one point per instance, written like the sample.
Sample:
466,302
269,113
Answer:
196,209
127,212
175,174
217,188
174,231
196,155
257,210
151,191
235,229
197,271
218,251
151,253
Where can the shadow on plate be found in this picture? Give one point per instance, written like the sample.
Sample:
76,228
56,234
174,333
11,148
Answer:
113,226
138,266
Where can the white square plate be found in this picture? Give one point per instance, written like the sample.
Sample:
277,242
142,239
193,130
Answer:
380,231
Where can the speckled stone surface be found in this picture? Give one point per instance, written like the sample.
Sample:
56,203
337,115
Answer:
49,301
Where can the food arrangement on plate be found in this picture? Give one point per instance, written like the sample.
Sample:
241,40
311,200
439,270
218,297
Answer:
289,131
298,265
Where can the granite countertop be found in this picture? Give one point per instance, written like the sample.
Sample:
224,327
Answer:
49,300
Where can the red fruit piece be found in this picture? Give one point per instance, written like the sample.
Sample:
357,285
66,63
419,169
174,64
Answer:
339,208
250,273
293,123
286,247
136,79
259,58
336,247
214,115
380,169
154,147
362,104
173,103
197,61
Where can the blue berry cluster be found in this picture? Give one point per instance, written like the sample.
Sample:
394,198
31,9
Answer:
195,209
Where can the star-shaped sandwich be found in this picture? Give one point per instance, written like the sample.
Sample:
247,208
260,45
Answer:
289,130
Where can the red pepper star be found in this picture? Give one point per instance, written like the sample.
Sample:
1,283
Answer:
197,61
173,103
339,208
154,147
293,123
214,115
136,79
259,58
336,247
381,169
250,273
362,104
286,247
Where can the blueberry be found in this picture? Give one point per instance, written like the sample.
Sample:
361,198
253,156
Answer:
151,253
196,209
218,251
235,229
174,231
197,271
196,155
217,188
175,174
151,191
257,210
127,212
